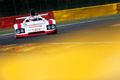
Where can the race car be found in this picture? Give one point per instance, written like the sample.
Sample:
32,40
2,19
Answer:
34,25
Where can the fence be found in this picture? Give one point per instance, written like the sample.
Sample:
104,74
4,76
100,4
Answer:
20,7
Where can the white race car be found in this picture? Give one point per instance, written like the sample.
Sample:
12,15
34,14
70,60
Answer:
34,25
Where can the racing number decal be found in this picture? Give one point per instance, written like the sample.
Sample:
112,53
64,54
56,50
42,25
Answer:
35,26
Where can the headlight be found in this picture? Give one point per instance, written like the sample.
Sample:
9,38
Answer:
53,26
18,31
49,27
22,31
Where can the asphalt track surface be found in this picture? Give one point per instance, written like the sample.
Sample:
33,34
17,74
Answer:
81,51
94,31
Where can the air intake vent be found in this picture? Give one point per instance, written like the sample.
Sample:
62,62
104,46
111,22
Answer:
32,33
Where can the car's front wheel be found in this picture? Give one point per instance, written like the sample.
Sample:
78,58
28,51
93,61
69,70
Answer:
55,32
17,37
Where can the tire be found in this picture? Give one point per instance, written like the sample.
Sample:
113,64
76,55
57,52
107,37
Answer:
53,32
17,37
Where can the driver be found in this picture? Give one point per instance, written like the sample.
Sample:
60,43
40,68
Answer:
31,18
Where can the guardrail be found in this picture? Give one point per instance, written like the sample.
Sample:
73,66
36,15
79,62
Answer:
70,14
8,22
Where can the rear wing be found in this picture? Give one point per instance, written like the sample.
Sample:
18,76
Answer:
45,15
29,16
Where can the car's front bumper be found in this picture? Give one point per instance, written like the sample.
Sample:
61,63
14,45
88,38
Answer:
35,33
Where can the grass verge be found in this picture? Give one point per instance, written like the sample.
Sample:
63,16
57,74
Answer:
11,30
6,31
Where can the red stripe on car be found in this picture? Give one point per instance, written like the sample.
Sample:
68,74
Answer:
19,26
50,22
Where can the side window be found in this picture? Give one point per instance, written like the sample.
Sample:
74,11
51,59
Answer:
39,18
35,19
27,20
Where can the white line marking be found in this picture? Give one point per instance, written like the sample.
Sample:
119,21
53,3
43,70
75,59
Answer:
69,43
81,43
70,24
6,34
87,22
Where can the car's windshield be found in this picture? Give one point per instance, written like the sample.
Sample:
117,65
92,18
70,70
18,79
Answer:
35,19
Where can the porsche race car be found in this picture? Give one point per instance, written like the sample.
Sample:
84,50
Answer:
34,25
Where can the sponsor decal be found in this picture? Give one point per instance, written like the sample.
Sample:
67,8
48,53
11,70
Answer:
35,26
35,29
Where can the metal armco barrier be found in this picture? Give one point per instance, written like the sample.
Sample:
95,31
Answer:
8,22
70,14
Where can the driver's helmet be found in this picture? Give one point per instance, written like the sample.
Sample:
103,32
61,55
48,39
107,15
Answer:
31,18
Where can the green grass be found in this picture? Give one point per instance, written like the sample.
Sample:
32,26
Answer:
6,31
11,30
